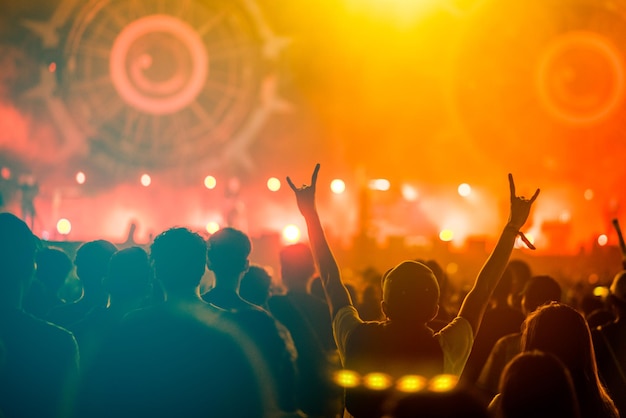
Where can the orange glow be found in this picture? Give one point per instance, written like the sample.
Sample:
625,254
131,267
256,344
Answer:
347,378
80,177
411,383
291,234
212,227
443,383
377,381
337,186
446,235
603,240
146,180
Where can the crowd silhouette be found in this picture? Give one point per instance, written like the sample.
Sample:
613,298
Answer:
145,338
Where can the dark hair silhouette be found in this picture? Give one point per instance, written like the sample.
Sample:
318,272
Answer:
178,256
255,285
228,251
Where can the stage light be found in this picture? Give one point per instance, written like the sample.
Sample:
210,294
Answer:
64,226
411,383
593,278
273,184
377,381
409,193
379,184
291,234
337,186
464,189
603,240
443,383
210,182
565,217
452,268
446,235
5,172
588,194
212,227
347,378
145,180
52,67
80,177
601,291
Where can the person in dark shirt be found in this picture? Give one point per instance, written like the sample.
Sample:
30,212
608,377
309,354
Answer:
41,359
53,267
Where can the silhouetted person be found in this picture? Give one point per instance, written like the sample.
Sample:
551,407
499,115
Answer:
403,344
128,283
499,320
455,403
255,286
92,263
41,359
308,320
53,267
536,385
228,257
610,345
29,189
539,290
560,330
180,358
521,272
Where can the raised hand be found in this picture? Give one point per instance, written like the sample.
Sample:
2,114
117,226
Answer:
520,206
305,195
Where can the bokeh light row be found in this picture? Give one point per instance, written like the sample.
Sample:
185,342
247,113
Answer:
406,383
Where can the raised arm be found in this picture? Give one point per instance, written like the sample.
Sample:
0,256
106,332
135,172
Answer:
476,301
337,295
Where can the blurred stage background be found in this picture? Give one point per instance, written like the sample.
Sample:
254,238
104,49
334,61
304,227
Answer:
163,113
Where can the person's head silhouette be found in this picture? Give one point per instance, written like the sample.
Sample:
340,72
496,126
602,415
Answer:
129,275
18,246
178,257
228,252
92,263
410,293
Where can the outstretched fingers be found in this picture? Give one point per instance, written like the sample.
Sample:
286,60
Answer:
532,199
314,175
290,183
512,187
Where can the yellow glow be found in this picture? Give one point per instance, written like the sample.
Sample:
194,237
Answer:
452,268
291,234
273,184
601,291
80,177
64,226
377,381
446,235
411,383
337,186
210,182
146,180
347,378
443,383
603,240
588,194
212,227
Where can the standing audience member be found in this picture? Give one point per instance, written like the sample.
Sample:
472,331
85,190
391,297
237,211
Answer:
53,267
256,286
228,252
308,321
536,385
560,330
609,342
41,359
92,263
403,344
539,290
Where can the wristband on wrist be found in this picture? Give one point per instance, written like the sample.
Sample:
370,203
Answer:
525,240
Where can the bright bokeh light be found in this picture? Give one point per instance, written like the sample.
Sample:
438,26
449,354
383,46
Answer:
565,217
273,184
411,383
588,194
603,240
601,291
464,189
291,234
52,67
377,381
80,177
446,235
64,226
379,184
210,182
337,186
347,378
146,180
5,172
409,193
443,383
593,279
212,227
